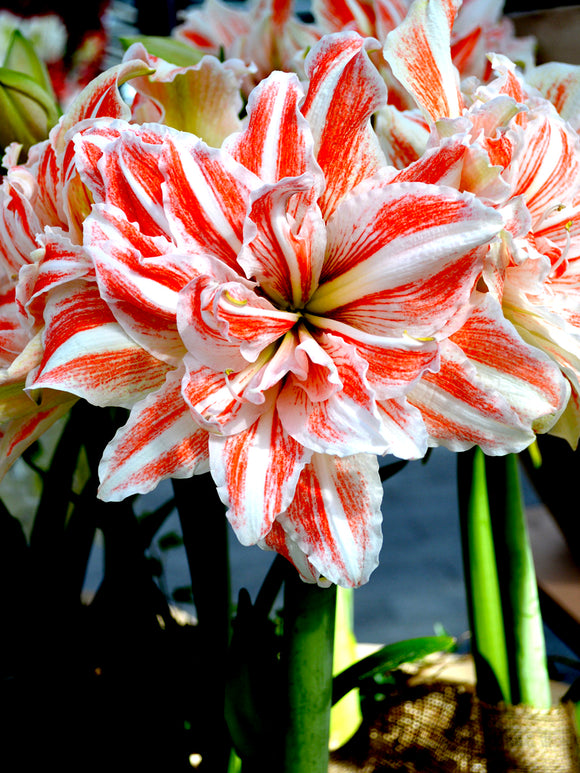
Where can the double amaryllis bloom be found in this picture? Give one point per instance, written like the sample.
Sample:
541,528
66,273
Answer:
285,307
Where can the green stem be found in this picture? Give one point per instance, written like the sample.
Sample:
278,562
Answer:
530,680
481,579
309,619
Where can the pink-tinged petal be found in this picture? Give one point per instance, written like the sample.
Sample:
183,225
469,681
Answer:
559,83
419,52
206,198
284,241
338,15
277,142
213,26
217,400
225,324
139,278
88,354
394,364
347,420
19,434
403,258
404,428
203,99
335,518
403,135
256,473
160,440
345,89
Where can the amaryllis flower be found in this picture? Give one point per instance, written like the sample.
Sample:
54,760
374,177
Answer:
536,158
296,295
45,196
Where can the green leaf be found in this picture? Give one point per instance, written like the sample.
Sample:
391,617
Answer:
28,111
530,683
388,658
21,57
483,594
174,51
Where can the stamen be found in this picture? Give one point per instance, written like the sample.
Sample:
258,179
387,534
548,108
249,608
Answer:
227,373
566,249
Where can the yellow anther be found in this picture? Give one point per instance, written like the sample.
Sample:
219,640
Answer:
235,301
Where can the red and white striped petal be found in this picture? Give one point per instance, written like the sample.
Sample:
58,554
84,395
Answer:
404,429
57,262
89,355
335,518
547,170
160,440
277,142
256,473
226,324
217,399
394,363
13,330
139,277
347,420
403,259
120,164
403,135
344,82
206,198
559,83
419,52
101,98
284,241
282,543
467,404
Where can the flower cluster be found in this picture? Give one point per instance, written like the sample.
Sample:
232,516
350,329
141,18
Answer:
376,253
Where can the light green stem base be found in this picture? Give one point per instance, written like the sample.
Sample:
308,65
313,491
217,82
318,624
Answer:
309,618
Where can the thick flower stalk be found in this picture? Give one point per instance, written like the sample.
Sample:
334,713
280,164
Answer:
293,293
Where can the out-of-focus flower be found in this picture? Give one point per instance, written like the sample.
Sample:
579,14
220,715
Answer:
264,33
72,45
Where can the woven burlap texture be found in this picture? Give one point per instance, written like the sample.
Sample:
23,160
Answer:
442,728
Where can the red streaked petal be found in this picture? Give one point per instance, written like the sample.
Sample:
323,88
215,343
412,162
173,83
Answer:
227,324
345,89
160,440
277,142
284,241
419,52
347,420
87,353
335,518
18,434
256,472
403,258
